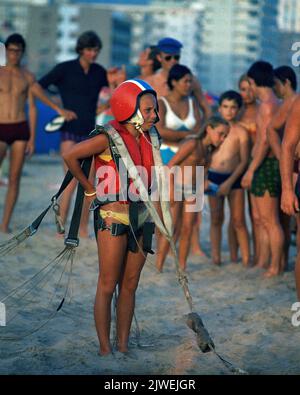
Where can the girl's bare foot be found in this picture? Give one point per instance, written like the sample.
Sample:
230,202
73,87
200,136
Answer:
104,353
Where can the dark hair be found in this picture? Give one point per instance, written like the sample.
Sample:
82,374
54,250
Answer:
284,73
88,39
231,95
262,73
177,72
17,39
154,51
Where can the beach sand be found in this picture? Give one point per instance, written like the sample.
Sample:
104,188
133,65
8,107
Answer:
248,317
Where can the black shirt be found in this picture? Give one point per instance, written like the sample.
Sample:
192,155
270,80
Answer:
79,92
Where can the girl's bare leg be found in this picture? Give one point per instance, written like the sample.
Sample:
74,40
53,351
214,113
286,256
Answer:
126,300
188,220
217,218
111,252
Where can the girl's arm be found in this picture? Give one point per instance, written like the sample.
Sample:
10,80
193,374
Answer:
184,151
85,149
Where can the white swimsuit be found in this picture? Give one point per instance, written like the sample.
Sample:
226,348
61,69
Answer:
172,120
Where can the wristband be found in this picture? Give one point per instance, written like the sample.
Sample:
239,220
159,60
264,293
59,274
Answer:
89,194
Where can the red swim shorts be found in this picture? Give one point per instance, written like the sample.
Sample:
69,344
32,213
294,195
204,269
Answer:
11,132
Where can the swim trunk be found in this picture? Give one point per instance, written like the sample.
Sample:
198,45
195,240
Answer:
218,178
11,132
68,136
167,153
267,178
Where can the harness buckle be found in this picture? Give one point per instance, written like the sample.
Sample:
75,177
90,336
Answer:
72,242
31,230
94,206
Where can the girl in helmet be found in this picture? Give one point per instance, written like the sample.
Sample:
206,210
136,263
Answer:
122,250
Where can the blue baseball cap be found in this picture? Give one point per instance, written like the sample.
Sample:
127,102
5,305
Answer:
169,45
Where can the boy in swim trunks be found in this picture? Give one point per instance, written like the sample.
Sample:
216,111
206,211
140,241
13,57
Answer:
262,176
226,169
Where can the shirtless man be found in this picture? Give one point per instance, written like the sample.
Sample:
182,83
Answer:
226,169
16,84
262,176
169,54
15,133
290,197
285,88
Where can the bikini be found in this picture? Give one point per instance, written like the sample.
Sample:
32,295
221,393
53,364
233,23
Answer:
172,121
137,221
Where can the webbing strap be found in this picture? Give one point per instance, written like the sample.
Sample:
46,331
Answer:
72,238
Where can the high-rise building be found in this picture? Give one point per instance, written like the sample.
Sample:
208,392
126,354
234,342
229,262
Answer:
36,21
235,34
114,29
51,30
289,15
289,34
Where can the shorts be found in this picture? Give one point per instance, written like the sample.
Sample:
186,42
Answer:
218,178
139,225
69,136
267,178
11,132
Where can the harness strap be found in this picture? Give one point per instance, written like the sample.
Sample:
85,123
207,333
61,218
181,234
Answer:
72,238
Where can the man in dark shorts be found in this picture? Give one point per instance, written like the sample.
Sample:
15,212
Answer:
290,198
79,83
262,176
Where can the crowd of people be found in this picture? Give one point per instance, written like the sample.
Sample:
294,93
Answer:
248,146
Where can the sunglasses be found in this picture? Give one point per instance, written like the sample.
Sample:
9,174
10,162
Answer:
169,57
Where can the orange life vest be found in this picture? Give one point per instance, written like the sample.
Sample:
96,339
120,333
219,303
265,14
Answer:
141,154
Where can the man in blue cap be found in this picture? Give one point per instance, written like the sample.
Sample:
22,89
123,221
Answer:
168,56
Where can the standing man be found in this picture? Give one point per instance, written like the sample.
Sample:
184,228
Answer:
15,132
262,176
168,55
79,83
289,197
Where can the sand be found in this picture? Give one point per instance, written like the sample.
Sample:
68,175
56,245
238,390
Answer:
248,317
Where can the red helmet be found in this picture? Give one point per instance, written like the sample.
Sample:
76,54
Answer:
124,102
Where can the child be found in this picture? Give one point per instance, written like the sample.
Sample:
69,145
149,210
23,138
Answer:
194,151
226,170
